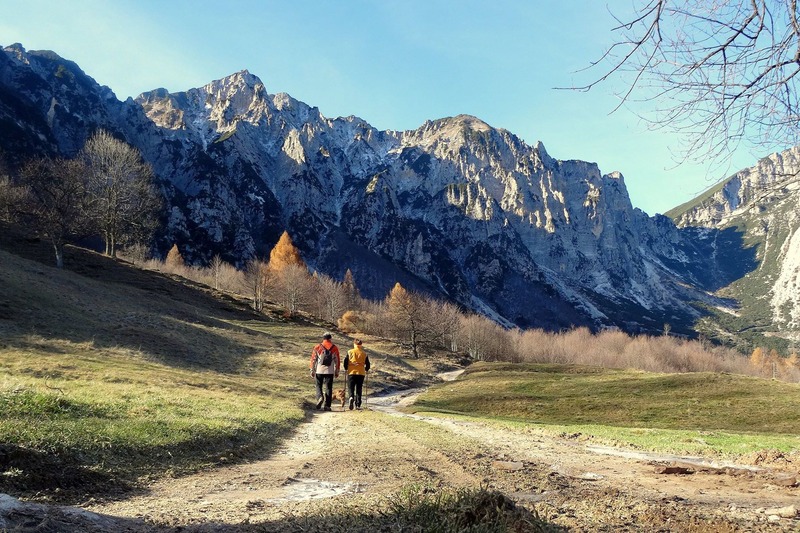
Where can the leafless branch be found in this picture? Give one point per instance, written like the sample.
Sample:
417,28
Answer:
720,73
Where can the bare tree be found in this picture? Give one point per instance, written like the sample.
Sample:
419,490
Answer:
444,319
230,279
216,267
11,199
719,72
55,201
124,199
256,278
10,194
485,340
332,298
290,286
137,253
406,312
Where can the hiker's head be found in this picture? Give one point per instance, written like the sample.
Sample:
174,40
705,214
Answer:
327,336
357,342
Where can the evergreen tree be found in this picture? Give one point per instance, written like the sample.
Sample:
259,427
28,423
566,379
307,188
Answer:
351,294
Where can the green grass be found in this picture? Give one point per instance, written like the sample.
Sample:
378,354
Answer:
110,376
129,419
706,412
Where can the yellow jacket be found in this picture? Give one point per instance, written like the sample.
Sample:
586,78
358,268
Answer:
357,362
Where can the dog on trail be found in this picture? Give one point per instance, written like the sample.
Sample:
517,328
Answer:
339,395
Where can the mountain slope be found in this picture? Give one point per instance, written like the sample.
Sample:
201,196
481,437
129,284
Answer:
761,203
455,208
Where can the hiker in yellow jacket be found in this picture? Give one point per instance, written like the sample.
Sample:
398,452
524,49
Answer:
356,364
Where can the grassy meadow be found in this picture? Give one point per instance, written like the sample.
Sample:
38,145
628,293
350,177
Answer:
110,376
680,413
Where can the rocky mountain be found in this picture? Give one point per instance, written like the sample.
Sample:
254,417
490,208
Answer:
455,208
760,203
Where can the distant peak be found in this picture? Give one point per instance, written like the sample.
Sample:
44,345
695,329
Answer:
243,77
473,122
17,51
16,47
464,121
161,92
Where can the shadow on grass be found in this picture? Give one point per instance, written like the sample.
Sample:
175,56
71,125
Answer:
52,477
420,509
166,319
70,477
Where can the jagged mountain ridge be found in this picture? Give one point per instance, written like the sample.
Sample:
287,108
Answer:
760,202
455,207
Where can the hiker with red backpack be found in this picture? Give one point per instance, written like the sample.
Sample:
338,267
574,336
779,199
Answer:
324,365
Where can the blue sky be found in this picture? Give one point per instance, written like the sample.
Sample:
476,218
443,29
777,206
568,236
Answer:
394,63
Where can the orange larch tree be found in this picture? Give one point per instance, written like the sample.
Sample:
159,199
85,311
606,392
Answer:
285,253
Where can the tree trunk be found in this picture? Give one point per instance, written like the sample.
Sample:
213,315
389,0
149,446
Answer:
111,244
59,255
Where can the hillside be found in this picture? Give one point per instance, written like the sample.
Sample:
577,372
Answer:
129,374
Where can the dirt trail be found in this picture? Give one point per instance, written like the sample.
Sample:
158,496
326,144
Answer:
741,490
373,453
334,453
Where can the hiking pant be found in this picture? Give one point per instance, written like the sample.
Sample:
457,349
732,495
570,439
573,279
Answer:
355,384
327,380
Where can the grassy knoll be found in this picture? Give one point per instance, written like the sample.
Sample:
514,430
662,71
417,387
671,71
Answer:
109,379
668,412
111,375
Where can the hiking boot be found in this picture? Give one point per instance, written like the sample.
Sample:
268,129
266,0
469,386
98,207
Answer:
327,408
319,403
352,403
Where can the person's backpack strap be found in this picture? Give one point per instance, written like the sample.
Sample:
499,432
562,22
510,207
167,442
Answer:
316,355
